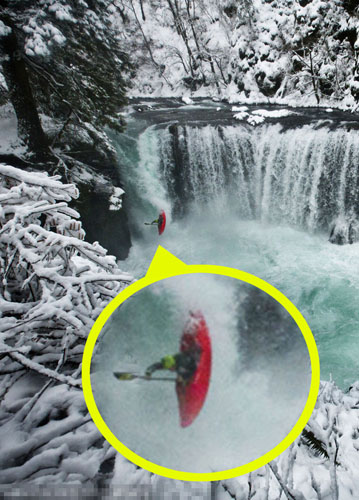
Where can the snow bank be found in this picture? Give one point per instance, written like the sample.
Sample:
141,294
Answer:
275,113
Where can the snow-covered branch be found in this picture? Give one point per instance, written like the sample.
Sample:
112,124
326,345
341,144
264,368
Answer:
54,285
321,464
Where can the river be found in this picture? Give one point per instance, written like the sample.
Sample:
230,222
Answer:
259,198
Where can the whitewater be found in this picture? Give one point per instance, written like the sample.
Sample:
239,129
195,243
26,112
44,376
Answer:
257,199
260,395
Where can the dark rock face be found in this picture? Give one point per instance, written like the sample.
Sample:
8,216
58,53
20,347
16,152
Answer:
349,34
350,5
344,230
268,85
100,176
108,227
266,332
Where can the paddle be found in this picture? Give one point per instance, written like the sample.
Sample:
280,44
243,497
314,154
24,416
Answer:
134,376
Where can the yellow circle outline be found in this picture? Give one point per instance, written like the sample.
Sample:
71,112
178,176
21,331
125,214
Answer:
165,265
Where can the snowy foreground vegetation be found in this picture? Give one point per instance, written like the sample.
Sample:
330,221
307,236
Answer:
54,286
74,62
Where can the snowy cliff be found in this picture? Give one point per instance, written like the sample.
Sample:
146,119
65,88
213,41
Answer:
299,52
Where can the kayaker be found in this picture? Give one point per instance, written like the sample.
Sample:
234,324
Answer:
192,366
160,222
183,363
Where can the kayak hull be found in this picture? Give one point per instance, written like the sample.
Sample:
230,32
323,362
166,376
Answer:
161,222
192,395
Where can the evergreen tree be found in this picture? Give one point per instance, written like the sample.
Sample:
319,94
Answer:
63,58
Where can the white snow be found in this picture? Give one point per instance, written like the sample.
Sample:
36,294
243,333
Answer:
241,116
54,286
255,120
275,113
187,100
259,115
62,11
300,469
116,198
234,53
240,109
4,30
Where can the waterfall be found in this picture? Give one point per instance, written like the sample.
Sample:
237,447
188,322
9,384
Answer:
305,176
260,199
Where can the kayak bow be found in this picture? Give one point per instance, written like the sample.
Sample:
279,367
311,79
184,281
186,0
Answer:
192,395
161,222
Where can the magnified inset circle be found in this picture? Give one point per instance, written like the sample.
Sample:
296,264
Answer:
201,376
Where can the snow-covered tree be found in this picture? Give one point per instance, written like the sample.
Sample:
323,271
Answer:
253,49
54,285
64,59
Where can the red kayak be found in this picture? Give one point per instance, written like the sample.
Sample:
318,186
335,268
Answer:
192,395
161,222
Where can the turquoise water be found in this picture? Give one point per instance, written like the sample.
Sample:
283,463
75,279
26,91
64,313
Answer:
321,279
315,275
252,221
